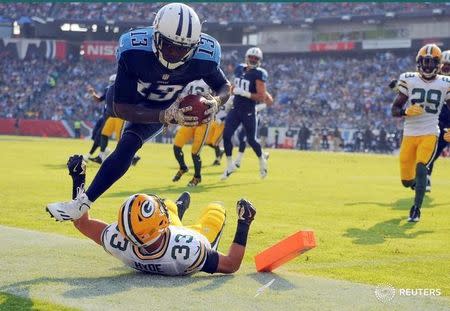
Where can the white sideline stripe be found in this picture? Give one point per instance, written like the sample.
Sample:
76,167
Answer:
78,273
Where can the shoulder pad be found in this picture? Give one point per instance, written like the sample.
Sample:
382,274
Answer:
208,49
136,39
263,72
408,75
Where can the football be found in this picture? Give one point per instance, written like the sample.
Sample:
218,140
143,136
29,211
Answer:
198,107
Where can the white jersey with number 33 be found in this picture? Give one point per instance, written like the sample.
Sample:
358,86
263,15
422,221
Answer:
431,95
182,251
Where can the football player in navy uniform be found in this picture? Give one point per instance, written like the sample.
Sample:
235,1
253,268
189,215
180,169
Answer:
154,65
110,125
96,132
249,88
444,118
242,135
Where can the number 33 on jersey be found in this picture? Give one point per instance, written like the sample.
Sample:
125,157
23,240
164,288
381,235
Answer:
182,251
431,95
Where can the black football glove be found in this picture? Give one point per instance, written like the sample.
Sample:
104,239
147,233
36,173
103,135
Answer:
393,84
76,166
245,210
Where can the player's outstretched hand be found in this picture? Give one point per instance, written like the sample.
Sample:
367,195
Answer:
178,115
246,211
76,166
213,104
414,110
393,85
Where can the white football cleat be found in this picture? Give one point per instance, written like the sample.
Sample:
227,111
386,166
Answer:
263,168
228,172
72,210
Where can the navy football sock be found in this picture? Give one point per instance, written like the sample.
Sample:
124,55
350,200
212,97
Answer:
197,165
115,166
179,155
103,142
228,146
421,184
94,147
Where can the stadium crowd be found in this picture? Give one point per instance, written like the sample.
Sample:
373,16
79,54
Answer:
322,93
212,12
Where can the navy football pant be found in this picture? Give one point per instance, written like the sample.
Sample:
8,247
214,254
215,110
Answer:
232,122
117,164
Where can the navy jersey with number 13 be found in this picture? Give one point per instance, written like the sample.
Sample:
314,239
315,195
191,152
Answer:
142,79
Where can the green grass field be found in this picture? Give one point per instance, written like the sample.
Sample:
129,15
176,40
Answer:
354,203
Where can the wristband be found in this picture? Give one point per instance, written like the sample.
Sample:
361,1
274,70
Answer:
241,233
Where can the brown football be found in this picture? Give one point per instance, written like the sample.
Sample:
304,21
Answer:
198,107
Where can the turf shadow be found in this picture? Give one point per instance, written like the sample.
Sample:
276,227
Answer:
55,166
178,189
380,232
279,283
109,285
401,204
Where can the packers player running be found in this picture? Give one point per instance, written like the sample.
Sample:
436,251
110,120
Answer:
150,237
197,134
444,118
154,65
424,92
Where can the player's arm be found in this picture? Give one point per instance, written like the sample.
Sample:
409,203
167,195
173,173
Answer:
269,99
125,105
397,107
95,96
398,111
230,263
218,83
92,228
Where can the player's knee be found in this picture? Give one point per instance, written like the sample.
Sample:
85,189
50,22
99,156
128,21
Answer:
408,183
421,170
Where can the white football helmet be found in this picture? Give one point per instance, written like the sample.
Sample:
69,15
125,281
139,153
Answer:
112,78
177,34
445,63
253,53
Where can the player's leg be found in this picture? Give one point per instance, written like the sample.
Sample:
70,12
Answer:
96,138
242,137
200,135
231,124
425,152
184,134
214,138
116,165
441,146
111,170
107,131
407,158
173,213
249,124
211,223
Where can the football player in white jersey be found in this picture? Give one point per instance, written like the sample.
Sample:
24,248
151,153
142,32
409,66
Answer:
150,237
197,135
424,92
215,133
